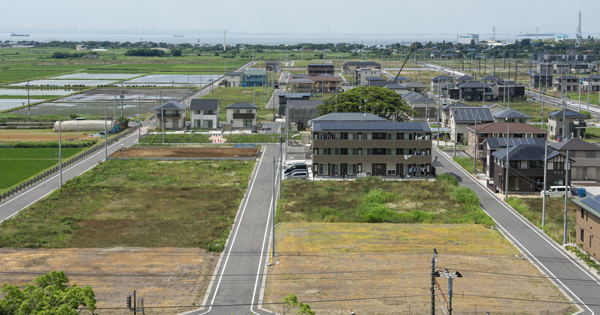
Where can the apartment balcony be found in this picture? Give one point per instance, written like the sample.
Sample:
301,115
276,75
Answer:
353,159
369,144
244,115
167,116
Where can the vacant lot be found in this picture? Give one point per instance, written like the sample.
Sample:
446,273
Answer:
231,95
136,203
377,201
187,152
200,138
18,164
41,135
531,208
385,269
161,276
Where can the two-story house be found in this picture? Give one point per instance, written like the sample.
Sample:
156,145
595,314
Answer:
233,79
416,86
273,65
591,83
588,218
572,122
347,144
242,115
361,75
542,80
254,77
171,115
351,66
491,145
526,168
500,129
440,81
425,106
472,91
320,68
461,118
512,115
566,83
586,157
205,113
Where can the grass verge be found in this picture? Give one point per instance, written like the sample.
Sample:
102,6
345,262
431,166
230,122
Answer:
200,138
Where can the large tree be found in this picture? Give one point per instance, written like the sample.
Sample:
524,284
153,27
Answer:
48,295
372,99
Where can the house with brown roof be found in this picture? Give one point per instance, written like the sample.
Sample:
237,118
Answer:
326,83
586,157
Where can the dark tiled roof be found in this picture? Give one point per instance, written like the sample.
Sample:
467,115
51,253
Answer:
242,105
380,83
465,78
574,145
375,79
492,78
305,103
591,203
566,77
511,113
395,86
361,63
234,73
468,115
370,126
321,64
402,79
496,143
441,78
349,117
473,84
525,152
414,84
204,104
171,105
500,127
569,113
593,76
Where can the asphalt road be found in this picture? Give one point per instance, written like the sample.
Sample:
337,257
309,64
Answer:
239,272
578,283
24,199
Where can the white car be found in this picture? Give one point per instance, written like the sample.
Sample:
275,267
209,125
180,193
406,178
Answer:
556,191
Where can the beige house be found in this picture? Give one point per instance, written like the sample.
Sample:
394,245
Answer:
586,157
588,218
573,123
234,79
242,115
171,115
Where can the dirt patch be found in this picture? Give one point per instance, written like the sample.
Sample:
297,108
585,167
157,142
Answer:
386,269
186,153
161,276
27,135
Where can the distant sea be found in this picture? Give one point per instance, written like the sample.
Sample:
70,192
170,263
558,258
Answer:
249,39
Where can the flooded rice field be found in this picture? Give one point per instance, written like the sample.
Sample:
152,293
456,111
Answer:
98,76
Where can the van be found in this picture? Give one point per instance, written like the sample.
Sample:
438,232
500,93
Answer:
297,175
296,167
556,192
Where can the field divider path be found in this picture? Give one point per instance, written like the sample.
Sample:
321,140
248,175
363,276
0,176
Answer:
581,286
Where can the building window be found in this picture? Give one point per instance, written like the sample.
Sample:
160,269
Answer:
248,111
581,236
515,164
351,169
247,123
322,169
209,112
582,212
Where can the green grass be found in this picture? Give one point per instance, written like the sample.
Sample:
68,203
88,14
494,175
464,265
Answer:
18,164
199,138
44,118
531,209
584,98
374,201
467,164
592,134
230,95
136,203
533,109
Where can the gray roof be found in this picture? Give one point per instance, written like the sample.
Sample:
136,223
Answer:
305,103
414,97
414,84
566,77
593,76
381,83
468,115
568,113
492,78
441,78
574,144
497,143
473,84
294,95
361,63
349,117
204,104
511,113
402,78
242,105
591,204
456,105
302,81
321,64
466,77
233,73
525,152
370,126
273,61
171,105
375,79
395,86
301,75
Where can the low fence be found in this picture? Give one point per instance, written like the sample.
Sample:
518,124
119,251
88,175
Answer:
76,158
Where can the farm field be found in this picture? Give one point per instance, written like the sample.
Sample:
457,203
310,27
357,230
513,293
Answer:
136,203
200,138
18,164
385,269
40,135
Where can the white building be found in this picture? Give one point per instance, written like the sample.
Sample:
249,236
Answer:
363,73
467,38
205,113
234,79
242,115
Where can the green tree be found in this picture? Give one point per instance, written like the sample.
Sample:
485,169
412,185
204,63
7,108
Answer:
176,52
372,99
291,301
47,295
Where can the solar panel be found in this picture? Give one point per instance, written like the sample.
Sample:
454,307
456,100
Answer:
592,202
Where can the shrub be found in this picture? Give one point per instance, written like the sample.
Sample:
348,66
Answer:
376,213
447,178
586,114
368,179
466,196
379,196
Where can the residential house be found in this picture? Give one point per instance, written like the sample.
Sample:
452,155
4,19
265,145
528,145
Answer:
402,80
302,111
233,79
273,65
495,107
490,145
81,47
351,66
320,68
361,75
566,83
400,89
585,155
254,77
204,113
572,122
425,106
461,118
588,218
472,91
541,79
464,79
499,129
526,169
171,115
284,98
348,144
416,86
591,82
446,109
302,85
326,83
506,89
444,90
370,80
242,115
440,81
512,115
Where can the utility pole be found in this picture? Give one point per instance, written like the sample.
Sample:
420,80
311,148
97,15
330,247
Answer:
60,153
139,120
564,114
507,161
455,137
273,211
115,108
544,195
134,303
475,143
105,136
450,290
433,281
567,190
29,105
280,166
122,97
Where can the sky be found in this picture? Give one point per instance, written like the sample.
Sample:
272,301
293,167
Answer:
307,16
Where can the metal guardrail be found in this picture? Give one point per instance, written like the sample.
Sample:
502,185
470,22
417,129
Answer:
55,169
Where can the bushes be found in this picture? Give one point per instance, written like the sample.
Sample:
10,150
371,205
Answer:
144,52
448,179
378,196
466,196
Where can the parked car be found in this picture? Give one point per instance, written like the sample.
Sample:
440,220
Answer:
297,175
296,167
556,192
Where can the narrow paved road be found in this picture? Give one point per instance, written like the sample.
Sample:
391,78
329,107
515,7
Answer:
12,206
578,283
239,272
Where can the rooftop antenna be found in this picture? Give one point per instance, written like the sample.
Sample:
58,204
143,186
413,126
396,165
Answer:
579,37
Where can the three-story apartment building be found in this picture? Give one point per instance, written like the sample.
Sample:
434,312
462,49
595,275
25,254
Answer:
348,144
